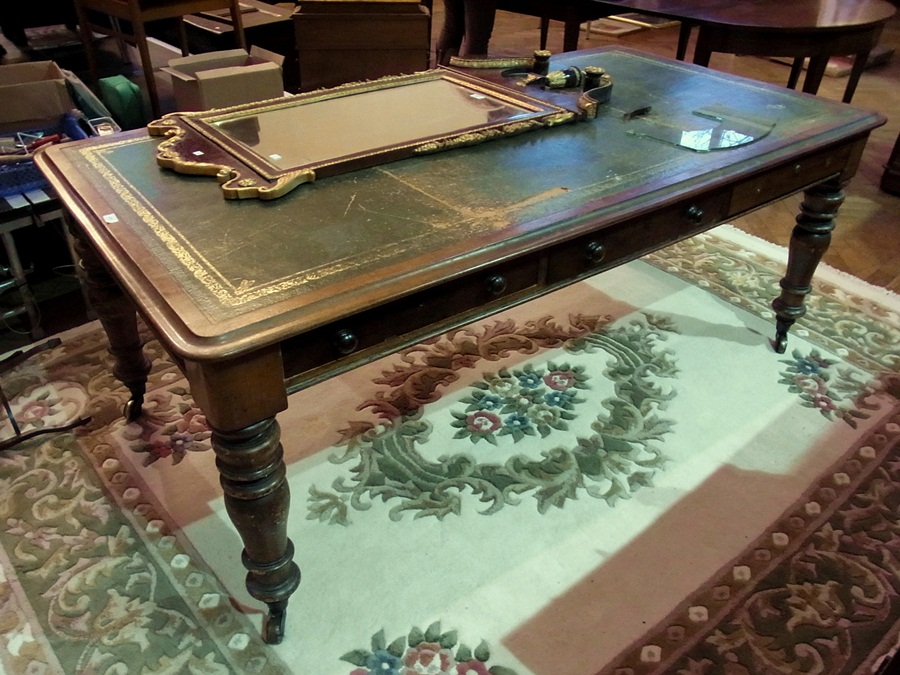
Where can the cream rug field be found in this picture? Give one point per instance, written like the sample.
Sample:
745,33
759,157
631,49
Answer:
620,478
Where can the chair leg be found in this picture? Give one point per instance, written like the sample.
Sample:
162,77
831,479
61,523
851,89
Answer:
140,38
237,23
183,37
18,273
120,41
87,38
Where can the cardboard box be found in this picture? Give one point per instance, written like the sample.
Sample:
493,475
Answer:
226,78
341,41
34,95
268,26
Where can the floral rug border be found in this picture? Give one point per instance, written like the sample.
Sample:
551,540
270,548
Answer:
712,630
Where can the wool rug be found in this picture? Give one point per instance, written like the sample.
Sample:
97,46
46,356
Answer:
619,478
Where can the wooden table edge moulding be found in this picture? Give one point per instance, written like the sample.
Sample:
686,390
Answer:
482,229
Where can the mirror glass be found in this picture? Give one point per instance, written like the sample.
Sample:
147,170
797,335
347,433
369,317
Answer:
712,128
301,135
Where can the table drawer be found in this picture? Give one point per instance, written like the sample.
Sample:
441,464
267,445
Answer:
788,179
617,243
389,325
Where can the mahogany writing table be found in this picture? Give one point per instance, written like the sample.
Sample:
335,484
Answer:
257,299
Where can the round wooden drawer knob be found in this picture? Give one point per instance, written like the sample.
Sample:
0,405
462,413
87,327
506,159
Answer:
496,284
694,213
346,341
595,252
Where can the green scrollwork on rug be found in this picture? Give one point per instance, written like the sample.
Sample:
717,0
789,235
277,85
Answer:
613,462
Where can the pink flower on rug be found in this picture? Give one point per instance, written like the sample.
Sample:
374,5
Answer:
811,383
159,450
428,658
472,667
191,431
824,403
483,422
560,380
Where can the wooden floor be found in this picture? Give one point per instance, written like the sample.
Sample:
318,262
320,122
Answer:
866,241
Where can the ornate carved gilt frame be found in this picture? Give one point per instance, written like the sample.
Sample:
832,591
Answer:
196,145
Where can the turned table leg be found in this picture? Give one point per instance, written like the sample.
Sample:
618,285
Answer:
240,398
118,317
252,470
809,241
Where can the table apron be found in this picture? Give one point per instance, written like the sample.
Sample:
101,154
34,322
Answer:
737,40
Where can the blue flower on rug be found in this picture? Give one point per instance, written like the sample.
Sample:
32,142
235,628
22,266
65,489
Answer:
613,456
835,392
430,653
534,402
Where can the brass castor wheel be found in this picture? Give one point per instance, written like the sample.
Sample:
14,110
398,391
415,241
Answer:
273,633
132,410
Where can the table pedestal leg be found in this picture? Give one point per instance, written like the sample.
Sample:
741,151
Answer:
684,37
859,65
571,30
703,47
809,241
252,470
118,316
815,71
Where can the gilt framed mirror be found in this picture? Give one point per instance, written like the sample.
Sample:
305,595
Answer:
264,150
